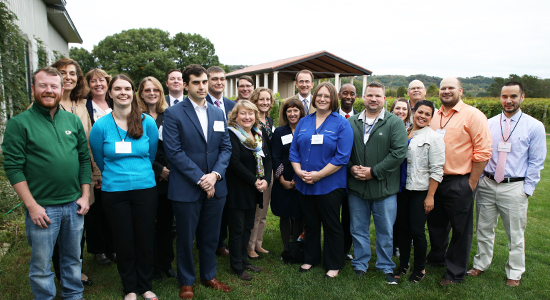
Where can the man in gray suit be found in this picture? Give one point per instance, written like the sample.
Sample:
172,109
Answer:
174,82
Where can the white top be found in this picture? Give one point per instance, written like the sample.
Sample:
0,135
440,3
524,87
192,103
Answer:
222,107
307,104
343,113
98,112
172,99
203,117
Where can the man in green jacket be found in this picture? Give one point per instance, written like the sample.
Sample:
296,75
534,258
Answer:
379,148
47,161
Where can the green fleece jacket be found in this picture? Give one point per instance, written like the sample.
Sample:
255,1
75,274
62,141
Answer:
50,154
384,152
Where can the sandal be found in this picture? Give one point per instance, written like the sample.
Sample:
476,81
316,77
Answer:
401,271
416,276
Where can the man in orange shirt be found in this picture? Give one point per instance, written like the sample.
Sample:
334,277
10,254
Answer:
467,149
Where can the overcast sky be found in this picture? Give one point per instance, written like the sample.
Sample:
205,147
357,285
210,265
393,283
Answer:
438,38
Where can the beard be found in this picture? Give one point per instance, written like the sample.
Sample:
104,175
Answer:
40,101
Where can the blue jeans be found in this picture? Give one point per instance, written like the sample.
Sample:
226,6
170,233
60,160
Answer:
66,227
383,213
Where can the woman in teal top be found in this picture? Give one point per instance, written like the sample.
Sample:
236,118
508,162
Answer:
124,144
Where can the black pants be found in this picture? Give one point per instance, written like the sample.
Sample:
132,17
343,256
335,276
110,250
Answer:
164,241
132,218
241,222
290,228
346,225
454,204
98,232
324,209
412,223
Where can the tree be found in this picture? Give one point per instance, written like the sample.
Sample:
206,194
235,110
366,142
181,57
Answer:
138,53
194,49
432,91
533,86
401,91
84,58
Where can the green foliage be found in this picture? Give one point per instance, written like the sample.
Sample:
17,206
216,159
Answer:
274,112
194,49
534,87
57,55
13,88
84,58
401,91
41,52
432,91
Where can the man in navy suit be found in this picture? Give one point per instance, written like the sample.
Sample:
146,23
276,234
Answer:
216,85
197,145
174,83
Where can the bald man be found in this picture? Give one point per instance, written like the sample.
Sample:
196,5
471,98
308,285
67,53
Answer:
468,145
416,92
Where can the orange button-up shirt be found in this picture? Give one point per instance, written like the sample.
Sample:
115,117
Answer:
467,137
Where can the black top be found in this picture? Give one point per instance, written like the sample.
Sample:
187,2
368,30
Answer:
161,160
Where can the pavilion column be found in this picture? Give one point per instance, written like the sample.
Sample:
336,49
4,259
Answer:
275,81
364,85
337,81
257,80
230,87
266,80
237,87
351,79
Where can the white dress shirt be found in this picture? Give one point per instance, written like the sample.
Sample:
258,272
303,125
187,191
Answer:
203,117
307,104
222,106
172,99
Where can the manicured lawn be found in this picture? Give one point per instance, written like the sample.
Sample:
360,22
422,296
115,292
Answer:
280,281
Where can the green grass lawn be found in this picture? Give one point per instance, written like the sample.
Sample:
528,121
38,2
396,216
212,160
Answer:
280,281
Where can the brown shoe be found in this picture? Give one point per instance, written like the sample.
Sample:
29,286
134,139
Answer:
474,272
216,284
252,268
245,276
446,282
186,292
222,251
512,282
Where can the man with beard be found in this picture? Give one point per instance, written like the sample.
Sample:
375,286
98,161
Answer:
347,96
510,177
47,161
304,84
467,149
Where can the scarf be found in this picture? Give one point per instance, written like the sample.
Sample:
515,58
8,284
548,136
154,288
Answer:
254,145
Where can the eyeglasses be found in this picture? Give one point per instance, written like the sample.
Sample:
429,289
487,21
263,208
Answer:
245,86
157,91
417,88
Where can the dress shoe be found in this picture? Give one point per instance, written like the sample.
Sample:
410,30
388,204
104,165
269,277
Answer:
359,273
244,276
446,282
153,297
170,273
216,284
86,281
111,257
222,251
302,270
328,276
186,292
262,250
157,276
512,282
349,256
252,268
102,260
474,272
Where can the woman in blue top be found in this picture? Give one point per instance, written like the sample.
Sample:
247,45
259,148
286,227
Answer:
124,144
320,151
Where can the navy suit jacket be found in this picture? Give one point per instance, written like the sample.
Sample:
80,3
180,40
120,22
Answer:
189,154
226,102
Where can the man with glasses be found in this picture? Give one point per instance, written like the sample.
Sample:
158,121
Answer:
245,86
174,82
304,84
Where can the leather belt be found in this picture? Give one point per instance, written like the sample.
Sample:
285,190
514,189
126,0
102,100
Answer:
506,180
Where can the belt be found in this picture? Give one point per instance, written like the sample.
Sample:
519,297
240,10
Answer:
506,180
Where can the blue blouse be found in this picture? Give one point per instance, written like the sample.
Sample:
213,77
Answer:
336,149
124,171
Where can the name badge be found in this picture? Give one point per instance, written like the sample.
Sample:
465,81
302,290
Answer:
108,111
261,152
286,139
504,147
160,132
441,131
317,139
218,126
123,147
366,137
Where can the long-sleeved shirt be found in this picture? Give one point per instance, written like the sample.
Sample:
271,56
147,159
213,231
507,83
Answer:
528,151
50,154
467,137
336,149
124,171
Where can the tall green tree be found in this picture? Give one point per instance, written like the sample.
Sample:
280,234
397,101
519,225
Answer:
194,49
84,58
138,53
401,91
534,87
432,91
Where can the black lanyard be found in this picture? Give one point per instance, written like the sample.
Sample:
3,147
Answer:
443,126
502,132
322,124
117,131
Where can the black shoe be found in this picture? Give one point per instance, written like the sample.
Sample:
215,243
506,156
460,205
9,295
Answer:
102,260
390,278
302,270
87,282
359,273
349,256
157,276
245,276
112,257
170,273
252,268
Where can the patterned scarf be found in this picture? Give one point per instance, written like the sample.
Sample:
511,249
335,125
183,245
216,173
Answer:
254,145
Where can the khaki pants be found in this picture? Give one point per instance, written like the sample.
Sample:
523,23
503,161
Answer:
510,202
257,233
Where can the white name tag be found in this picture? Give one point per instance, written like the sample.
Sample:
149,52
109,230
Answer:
261,152
504,147
317,139
108,111
123,147
366,137
286,139
441,131
160,132
218,126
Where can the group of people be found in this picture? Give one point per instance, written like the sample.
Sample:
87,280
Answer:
144,159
